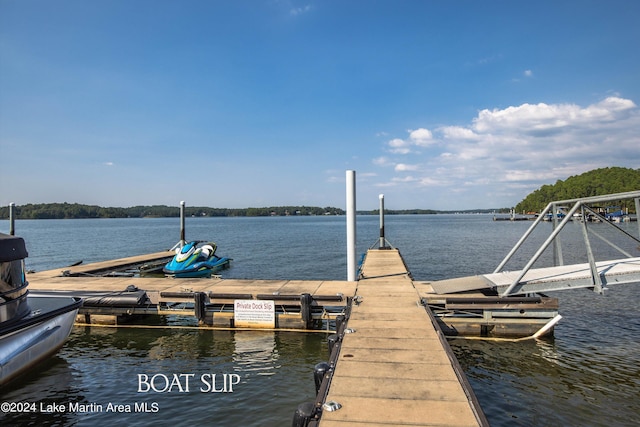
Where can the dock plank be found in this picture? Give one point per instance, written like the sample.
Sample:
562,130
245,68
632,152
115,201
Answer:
159,289
113,263
162,284
382,411
395,369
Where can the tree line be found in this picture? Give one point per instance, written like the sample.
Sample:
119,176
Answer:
77,210
597,182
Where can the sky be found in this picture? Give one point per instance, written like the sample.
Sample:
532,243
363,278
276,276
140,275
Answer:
447,105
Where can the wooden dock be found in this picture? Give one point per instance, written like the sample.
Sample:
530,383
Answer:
395,366
461,306
168,296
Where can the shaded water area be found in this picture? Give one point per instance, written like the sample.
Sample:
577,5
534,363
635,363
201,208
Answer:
587,375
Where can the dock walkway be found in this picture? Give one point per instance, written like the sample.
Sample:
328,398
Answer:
396,370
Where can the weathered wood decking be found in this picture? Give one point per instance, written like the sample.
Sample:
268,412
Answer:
396,368
83,278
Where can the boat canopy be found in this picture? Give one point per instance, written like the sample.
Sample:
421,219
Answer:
13,283
12,248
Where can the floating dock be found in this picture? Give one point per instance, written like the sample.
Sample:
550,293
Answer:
114,293
391,369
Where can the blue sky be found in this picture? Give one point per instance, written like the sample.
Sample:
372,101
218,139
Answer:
436,104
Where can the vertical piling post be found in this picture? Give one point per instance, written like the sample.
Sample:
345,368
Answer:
182,230
340,323
382,239
303,414
12,219
306,300
351,225
557,247
200,300
637,203
319,372
331,343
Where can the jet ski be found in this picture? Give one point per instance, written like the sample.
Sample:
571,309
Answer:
195,259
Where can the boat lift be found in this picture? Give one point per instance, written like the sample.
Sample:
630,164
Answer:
596,275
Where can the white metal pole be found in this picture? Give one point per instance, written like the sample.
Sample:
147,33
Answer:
12,219
351,225
183,241
637,203
382,240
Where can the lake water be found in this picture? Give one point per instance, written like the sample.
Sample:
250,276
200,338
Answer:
589,374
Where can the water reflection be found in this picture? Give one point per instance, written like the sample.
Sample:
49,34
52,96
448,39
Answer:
588,375
101,365
41,388
255,353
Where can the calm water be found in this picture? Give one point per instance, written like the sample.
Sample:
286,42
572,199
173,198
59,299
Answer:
588,375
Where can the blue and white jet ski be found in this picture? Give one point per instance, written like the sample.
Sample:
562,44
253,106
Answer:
195,260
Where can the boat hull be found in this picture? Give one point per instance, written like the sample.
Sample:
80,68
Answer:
25,343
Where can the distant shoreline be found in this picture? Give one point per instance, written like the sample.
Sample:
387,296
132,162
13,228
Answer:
80,211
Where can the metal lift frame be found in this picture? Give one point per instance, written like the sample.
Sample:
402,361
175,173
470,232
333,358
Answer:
582,204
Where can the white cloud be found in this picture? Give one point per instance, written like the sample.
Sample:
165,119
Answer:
380,161
404,179
457,132
300,10
528,73
399,146
542,116
421,137
428,182
417,138
385,184
503,154
401,167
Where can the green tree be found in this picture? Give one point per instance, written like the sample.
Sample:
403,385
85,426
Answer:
597,182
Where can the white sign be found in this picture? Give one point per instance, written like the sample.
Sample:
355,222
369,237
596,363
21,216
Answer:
249,313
